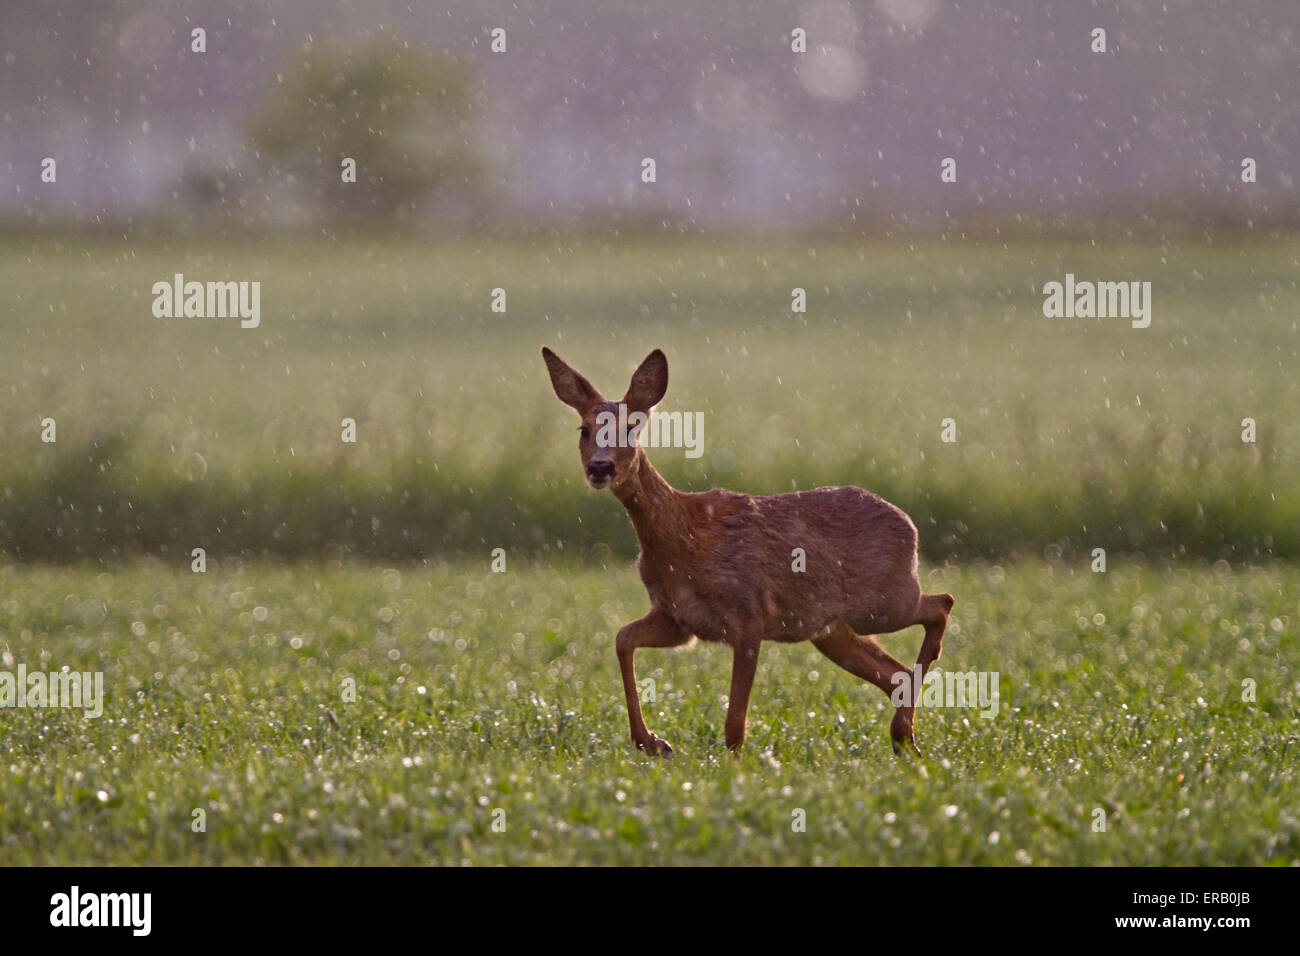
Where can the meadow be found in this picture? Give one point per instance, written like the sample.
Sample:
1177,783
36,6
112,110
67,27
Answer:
350,682
479,692
1071,434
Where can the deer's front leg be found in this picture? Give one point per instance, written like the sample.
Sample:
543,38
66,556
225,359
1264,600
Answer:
743,666
656,629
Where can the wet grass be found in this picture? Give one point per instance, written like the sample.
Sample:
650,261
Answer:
1119,693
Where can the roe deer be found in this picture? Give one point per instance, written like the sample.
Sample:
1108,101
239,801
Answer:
717,564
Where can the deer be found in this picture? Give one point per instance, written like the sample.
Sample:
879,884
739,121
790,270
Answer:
720,565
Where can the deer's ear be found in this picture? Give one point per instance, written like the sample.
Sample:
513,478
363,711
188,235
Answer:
574,390
649,383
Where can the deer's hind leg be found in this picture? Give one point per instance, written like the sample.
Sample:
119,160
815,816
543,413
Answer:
862,655
932,613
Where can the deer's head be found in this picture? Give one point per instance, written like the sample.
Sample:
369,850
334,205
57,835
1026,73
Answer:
609,436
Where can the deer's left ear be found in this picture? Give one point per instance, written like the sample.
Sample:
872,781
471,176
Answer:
649,383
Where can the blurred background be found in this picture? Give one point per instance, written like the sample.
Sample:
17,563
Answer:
521,170
550,133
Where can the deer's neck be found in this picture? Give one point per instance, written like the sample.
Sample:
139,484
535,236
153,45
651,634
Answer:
655,507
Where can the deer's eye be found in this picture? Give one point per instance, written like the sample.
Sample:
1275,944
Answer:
584,432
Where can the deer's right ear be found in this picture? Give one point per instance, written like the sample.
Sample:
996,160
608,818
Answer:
572,389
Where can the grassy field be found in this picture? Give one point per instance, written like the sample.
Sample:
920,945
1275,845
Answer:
478,692
1071,433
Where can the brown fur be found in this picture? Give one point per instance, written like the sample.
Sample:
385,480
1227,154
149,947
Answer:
718,565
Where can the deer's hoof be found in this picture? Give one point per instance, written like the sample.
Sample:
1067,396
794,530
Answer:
900,730
655,746
902,746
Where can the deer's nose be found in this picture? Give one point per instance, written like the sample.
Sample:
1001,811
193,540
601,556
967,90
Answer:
600,471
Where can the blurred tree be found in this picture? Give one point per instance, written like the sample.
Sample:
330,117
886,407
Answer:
404,114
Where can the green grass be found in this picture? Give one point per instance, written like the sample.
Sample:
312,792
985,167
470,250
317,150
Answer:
1072,434
480,691
1120,691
